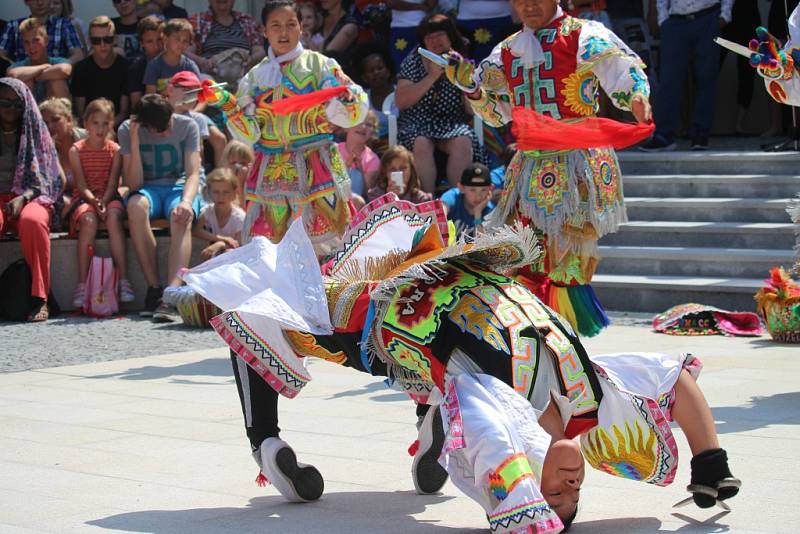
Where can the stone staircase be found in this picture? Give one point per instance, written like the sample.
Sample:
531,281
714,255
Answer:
703,227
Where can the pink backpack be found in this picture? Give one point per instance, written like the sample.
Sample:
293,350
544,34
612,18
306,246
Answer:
101,287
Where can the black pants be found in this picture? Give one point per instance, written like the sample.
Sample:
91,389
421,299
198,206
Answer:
259,403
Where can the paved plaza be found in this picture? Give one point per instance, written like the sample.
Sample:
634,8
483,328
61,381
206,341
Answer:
156,444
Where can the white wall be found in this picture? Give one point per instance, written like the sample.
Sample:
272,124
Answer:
86,9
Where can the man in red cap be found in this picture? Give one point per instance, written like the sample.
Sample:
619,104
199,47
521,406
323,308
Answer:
183,103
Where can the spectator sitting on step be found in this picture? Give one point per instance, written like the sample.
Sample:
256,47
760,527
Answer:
104,74
183,103
30,185
164,8
161,165
398,174
46,75
57,114
65,10
127,25
239,158
62,39
96,163
149,32
470,202
220,222
361,162
177,38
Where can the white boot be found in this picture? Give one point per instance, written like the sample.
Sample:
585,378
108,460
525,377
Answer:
297,482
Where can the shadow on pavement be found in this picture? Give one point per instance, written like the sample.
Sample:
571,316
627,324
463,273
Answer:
342,512
208,367
391,395
642,525
767,343
780,408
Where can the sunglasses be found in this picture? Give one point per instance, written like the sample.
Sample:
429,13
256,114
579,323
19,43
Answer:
5,103
108,39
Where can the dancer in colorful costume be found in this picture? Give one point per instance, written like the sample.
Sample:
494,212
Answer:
513,383
778,64
298,170
574,197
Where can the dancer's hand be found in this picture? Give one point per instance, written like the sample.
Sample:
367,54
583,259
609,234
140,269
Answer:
640,107
460,72
768,57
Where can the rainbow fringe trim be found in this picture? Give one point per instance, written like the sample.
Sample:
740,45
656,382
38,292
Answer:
578,305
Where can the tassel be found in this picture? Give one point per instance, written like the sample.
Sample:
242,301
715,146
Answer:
497,486
262,480
412,450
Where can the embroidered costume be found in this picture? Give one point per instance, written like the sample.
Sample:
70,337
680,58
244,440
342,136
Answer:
778,65
443,319
573,197
298,169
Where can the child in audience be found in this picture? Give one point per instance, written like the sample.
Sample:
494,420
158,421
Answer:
398,175
310,24
221,221
57,115
177,38
239,157
470,202
362,163
183,103
149,31
96,163
45,75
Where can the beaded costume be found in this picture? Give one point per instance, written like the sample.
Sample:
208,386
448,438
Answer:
572,197
298,169
442,319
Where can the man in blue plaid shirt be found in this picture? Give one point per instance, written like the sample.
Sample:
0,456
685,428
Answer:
64,41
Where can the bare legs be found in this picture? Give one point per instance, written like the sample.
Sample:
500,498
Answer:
693,415
144,242
459,156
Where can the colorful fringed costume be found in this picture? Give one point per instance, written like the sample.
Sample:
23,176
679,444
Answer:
573,197
444,319
778,64
298,169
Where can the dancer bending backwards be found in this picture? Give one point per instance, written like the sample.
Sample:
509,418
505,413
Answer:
514,382
573,197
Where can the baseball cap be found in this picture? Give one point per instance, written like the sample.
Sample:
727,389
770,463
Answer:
476,175
185,78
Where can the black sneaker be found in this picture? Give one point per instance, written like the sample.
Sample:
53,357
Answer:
700,143
657,144
295,481
153,298
426,471
165,313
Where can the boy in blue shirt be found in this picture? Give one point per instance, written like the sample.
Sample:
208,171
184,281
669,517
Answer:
471,201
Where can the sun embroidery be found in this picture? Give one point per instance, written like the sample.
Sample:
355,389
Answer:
580,90
400,44
633,456
482,36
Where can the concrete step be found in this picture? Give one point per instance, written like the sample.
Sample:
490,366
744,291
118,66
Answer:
703,234
64,266
709,162
692,261
711,185
653,294
715,209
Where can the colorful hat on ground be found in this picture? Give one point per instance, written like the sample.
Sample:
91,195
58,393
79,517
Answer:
779,305
700,320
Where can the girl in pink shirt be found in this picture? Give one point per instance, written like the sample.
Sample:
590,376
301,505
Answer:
362,163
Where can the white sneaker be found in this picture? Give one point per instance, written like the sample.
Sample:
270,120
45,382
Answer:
426,471
295,481
79,295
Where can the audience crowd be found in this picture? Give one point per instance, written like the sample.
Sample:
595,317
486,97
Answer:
72,90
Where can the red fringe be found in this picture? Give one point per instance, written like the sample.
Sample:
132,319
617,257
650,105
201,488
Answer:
535,131
262,480
297,103
412,450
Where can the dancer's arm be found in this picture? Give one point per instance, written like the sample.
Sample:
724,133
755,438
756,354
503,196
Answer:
486,88
777,66
618,69
349,110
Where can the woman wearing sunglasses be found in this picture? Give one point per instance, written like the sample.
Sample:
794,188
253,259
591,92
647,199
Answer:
103,74
31,181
